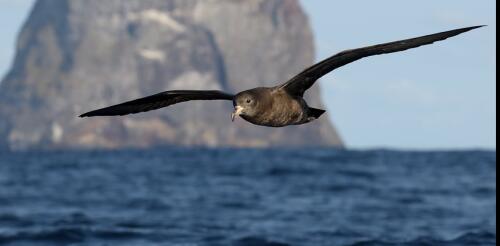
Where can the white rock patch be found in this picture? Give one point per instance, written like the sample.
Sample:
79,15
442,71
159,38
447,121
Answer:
163,18
194,81
57,132
152,54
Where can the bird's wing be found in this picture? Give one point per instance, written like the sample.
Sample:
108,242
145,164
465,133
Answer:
157,101
305,80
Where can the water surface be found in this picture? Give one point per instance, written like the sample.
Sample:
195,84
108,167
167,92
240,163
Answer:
191,197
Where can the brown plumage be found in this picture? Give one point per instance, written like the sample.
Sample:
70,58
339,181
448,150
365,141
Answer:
281,105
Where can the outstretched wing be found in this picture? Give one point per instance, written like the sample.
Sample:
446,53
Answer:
157,101
302,82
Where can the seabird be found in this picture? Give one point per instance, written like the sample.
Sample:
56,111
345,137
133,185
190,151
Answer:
277,106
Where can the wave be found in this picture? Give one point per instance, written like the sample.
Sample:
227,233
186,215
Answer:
256,241
81,235
482,238
70,235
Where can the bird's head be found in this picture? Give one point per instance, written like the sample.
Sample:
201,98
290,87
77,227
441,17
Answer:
245,104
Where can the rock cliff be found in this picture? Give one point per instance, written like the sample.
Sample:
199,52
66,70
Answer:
75,56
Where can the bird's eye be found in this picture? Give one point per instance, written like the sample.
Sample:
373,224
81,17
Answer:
249,101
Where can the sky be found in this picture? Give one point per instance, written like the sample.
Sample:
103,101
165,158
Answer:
441,96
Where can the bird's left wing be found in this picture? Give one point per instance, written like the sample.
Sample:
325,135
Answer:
299,84
158,101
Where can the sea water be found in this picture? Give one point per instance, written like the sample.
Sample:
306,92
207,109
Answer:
248,197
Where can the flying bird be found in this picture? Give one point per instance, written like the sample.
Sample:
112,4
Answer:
281,105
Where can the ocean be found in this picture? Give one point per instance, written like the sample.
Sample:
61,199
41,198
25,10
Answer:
248,197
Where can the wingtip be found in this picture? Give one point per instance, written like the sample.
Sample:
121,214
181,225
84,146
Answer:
480,26
476,27
467,29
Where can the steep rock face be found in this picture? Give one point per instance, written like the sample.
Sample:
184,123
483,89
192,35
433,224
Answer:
75,56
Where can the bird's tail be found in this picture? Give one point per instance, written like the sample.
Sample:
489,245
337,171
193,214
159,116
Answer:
316,113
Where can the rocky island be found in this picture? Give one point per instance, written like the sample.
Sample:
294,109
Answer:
74,56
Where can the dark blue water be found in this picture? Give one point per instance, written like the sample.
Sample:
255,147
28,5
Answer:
248,198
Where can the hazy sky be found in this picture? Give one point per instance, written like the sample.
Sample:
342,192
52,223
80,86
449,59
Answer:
440,96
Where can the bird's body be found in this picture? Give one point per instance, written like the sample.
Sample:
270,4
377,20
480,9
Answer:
275,108
278,106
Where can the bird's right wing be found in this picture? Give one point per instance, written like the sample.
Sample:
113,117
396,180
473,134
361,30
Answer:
299,84
158,101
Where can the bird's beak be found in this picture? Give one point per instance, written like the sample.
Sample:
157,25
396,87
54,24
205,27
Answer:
237,111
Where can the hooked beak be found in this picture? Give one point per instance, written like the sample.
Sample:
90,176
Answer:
237,112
